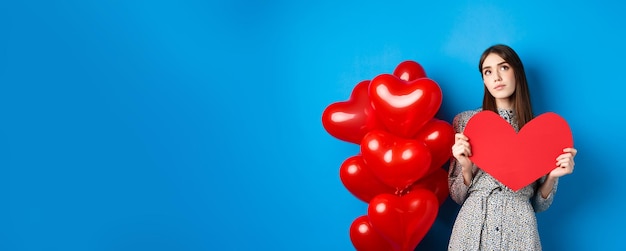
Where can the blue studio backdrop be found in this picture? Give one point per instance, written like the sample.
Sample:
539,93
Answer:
196,125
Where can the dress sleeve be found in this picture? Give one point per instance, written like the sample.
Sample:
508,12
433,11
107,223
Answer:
458,189
539,203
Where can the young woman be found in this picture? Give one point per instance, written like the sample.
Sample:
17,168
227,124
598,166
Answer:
493,217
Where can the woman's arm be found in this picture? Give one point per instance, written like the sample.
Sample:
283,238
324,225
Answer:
546,188
456,183
564,166
549,183
461,170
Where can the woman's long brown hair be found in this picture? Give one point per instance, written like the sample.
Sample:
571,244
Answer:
521,96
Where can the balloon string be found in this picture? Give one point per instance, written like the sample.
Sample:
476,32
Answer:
398,192
403,191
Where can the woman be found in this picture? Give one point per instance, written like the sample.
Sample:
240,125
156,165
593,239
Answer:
493,217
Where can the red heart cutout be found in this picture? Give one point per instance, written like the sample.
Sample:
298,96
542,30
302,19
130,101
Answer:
396,161
517,160
351,120
409,71
357,177
405,220
365,238
404,106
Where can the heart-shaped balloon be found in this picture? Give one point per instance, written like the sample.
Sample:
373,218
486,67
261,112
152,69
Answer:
360,181
438,135
517,159
350,120
405,220
436,182
396,161
404,106
365,238
409,70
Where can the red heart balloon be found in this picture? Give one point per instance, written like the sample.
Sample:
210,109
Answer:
360,181
396,161
351,120
404,107
436,182
403,221
409,71
438,135
517,160
365,238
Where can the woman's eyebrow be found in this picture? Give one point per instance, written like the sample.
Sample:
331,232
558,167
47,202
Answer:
501,63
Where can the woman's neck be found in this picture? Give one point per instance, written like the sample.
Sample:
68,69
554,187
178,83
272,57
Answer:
504,104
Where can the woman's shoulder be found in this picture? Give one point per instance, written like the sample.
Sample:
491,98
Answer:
460,120
466,115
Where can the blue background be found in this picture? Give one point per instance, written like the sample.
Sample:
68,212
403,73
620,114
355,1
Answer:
195,125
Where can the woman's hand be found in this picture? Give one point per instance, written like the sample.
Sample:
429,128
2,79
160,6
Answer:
461,150
564,163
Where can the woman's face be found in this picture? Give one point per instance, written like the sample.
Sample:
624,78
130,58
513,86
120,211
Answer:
499,78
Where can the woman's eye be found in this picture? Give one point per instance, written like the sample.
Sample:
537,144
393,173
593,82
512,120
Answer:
504,67
487,73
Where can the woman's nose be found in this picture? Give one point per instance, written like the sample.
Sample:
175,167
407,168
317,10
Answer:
496,76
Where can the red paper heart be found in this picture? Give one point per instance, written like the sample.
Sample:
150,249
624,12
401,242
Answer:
404,106
357,177
365,238
351,120
403,221
396,161
517,160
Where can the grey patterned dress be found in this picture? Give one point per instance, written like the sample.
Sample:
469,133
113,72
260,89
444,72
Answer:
493,217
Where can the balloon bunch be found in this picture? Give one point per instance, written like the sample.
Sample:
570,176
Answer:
402,150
